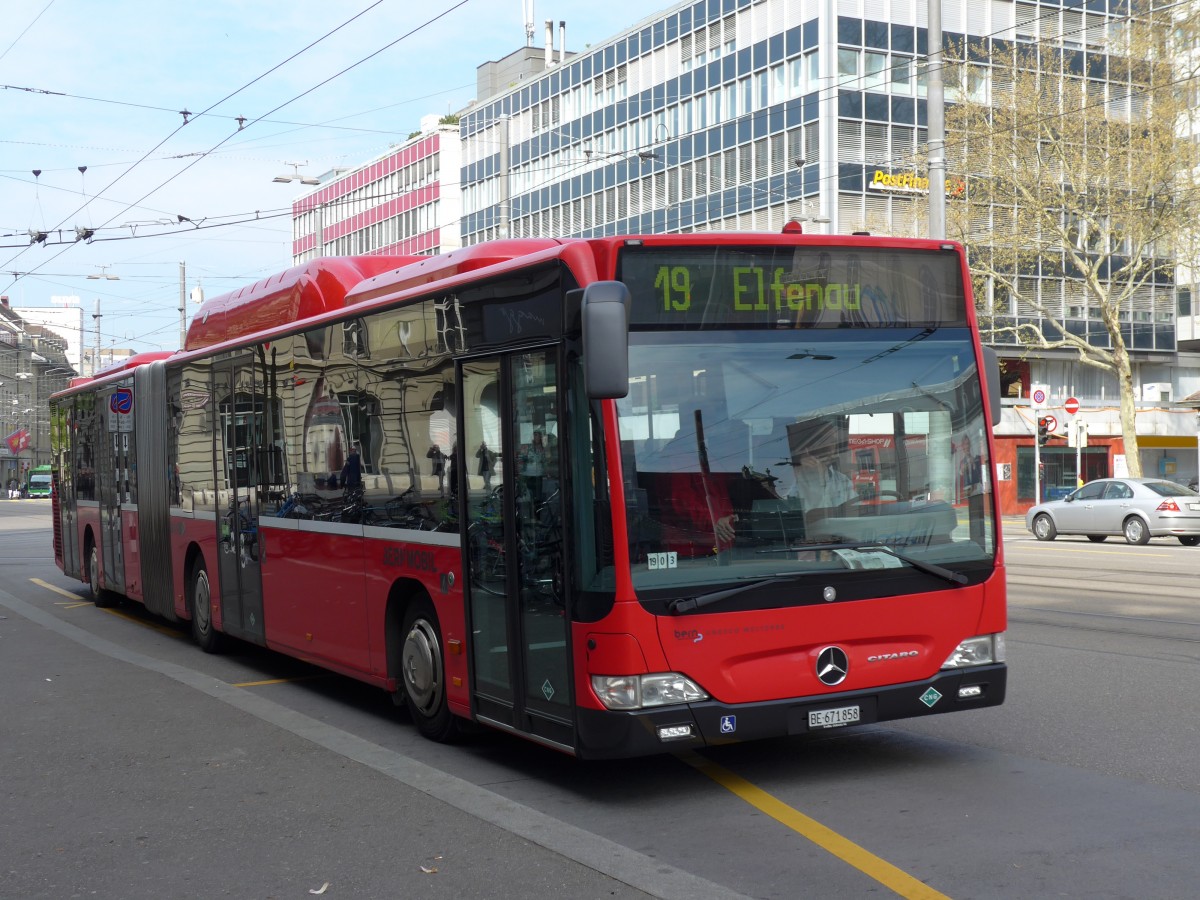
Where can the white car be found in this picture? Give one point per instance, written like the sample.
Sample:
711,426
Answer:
1138,508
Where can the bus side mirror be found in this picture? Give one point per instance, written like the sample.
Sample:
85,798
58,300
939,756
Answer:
991,366
605,316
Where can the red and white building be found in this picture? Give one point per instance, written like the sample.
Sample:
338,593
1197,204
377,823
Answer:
406,202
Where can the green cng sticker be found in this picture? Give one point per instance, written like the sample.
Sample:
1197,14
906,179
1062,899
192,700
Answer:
931,697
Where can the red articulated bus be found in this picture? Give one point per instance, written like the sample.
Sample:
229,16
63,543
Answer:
590,492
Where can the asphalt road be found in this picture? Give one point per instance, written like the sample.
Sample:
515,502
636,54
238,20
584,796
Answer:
132,765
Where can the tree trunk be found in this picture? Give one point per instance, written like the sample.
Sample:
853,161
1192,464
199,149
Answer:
1133,458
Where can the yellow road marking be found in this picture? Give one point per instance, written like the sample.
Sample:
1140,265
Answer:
56,590
162,629
278,681
153,626
824,837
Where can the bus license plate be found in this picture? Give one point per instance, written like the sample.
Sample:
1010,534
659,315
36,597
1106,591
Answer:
833,718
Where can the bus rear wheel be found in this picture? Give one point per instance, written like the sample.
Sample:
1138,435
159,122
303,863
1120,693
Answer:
423,672
200,600
100,596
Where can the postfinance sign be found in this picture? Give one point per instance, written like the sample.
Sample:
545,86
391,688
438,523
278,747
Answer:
912,183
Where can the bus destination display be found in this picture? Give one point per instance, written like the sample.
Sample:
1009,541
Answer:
792,287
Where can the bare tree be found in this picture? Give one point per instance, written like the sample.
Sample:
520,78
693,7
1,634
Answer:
1091,180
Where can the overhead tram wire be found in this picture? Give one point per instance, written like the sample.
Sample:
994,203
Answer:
17,39
571,165
568,165
200,225
181,126
320,84
128,103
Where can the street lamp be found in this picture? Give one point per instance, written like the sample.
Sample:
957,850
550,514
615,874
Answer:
296,176
318,208
103,275
799,163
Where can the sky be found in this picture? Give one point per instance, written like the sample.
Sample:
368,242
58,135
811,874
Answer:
101,85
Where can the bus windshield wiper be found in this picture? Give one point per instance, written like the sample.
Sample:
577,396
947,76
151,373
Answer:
686,604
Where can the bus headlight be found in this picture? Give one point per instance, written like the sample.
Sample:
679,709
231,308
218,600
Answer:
642,691
977,651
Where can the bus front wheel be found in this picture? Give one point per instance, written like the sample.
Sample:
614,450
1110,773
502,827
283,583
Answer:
423,672
200,594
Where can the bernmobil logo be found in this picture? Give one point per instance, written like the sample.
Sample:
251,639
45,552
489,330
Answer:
410,558
121,402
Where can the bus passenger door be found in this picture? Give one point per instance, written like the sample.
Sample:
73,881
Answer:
239,428
514,546
65,438
112,482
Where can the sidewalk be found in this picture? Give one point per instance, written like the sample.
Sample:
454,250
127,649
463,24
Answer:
125,776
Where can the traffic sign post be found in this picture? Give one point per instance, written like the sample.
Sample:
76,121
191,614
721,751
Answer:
1039,396
1075,427
1078,432
1037,463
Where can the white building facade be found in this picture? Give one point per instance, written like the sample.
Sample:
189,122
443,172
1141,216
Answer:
65,319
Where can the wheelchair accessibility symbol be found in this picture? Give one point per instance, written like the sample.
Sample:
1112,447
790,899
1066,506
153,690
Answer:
728,724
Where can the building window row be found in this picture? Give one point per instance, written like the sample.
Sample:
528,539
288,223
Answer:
701,24
739,166
416,175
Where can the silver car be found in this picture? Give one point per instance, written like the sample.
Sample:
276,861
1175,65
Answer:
1139,508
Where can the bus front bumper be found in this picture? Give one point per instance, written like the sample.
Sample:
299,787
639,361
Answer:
614,735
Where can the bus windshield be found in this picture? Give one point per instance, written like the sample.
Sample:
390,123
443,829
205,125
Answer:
750,454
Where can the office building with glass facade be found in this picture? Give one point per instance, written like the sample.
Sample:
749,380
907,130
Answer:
739,115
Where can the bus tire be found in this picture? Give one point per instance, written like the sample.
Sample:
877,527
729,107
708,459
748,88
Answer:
101,597
423,672
207,637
